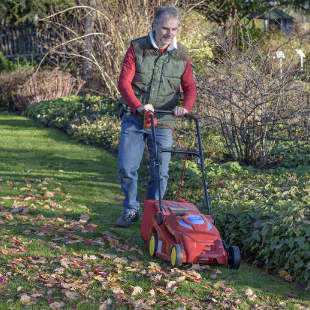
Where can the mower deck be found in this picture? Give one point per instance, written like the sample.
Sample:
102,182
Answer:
184,232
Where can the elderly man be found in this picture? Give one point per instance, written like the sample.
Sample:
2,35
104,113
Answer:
154,70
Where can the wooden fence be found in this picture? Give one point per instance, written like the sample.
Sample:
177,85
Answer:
25,41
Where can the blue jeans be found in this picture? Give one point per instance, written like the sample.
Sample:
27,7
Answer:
132,143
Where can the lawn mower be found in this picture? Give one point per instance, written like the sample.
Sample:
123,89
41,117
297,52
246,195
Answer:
177,231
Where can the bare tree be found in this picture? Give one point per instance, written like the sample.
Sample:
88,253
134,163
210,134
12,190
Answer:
99,33
254,104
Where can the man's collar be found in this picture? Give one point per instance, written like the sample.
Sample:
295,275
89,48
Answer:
171,47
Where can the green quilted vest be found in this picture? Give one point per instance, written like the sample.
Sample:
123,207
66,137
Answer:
158,76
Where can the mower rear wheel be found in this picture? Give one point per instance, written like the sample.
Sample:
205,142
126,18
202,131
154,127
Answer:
153,243
176,255
234,257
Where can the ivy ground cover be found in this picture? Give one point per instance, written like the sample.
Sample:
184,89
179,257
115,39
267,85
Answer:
59,248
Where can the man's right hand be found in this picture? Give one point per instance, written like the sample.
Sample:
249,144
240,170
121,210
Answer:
147,107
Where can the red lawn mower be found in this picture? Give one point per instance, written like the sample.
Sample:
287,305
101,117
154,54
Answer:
177,231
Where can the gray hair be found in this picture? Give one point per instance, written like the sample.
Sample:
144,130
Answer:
169,10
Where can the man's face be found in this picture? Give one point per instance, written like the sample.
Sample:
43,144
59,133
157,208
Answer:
165,30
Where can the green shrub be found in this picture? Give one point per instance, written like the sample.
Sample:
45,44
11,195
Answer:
266,214
291,154
104,132
213,143
89,119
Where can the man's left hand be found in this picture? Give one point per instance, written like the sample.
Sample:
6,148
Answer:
179,111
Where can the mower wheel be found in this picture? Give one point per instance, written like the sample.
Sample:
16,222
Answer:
153,243
176,255
234,257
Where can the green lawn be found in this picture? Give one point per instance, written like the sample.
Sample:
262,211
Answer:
59,248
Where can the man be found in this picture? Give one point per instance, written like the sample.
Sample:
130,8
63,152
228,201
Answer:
155,67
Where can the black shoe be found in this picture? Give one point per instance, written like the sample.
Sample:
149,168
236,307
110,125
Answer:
128,218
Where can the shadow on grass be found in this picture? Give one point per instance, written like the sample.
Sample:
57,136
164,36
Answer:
20,124
38,159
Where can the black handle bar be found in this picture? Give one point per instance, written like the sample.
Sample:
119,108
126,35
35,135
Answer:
196,120
189,116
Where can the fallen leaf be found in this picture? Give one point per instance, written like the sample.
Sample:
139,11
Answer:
156,278
150,301
72,295
136,290
228,291
170,284
49,194
153,267
120,260
250,294
3,280
162,291
219,284
64,262
117,290
192,275
25,299
57,305
180,279
108,256
106,304
139,305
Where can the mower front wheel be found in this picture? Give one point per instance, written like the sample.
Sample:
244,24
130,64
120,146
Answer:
153,243
234,257
176,255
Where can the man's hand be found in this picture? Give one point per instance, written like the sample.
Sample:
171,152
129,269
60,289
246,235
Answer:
179,111
147,107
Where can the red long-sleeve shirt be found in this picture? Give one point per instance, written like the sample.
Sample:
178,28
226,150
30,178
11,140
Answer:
128,73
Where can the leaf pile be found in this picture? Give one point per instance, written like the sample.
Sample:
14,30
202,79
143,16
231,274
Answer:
68,262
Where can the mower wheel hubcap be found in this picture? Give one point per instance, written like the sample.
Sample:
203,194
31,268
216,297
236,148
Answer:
173,256
176,255
153,244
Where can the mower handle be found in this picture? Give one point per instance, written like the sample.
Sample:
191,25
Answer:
188,115
196,120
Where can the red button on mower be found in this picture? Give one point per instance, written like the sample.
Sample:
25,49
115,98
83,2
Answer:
177,231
